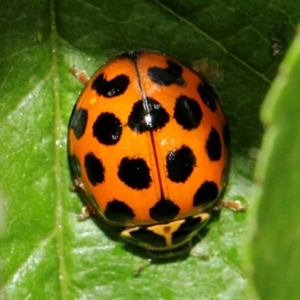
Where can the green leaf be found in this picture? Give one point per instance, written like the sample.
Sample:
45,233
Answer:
275,221
45,251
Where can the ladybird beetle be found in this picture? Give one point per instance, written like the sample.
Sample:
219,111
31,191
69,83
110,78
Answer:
148,147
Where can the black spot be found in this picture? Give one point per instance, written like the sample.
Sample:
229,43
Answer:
94,169
207,192
112,88
170,75
135,173
208,95
180,164
107,129
75,166
78,121
190,225
118,211
164,210
146,236
147,115
213,145
226,135
187,112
